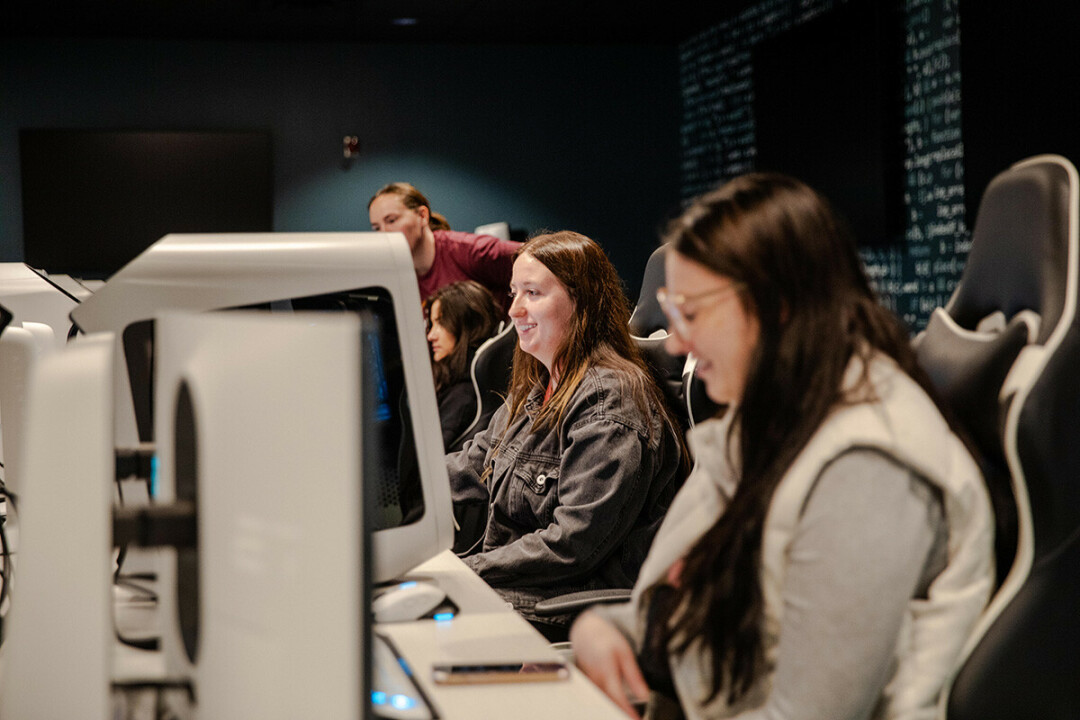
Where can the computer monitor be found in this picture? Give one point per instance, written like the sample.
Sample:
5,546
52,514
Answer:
58,650
37,316
266,424
283,272
30,296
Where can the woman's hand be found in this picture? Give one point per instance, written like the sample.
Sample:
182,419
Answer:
606,657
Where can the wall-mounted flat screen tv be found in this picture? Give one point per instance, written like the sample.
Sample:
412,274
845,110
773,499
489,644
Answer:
94,199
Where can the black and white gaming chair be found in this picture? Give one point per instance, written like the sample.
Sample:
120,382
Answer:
490,372
684,392
1005,356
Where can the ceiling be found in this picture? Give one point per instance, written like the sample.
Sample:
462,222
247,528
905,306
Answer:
374,21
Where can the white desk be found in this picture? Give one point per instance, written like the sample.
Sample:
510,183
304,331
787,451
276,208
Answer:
486,630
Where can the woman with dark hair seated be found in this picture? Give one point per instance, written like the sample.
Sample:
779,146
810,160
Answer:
832,550
580,464
461,316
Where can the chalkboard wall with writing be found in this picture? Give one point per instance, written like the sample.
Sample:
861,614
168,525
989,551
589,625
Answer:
916,267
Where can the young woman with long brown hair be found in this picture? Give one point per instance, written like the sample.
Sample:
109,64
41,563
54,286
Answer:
833,548
580,464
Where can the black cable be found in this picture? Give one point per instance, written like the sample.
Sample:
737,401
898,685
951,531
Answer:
5,553
5,548
141,644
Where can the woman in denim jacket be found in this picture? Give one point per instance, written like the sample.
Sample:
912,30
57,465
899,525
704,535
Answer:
581,463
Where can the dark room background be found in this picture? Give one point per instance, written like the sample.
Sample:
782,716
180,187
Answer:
609,139
557,137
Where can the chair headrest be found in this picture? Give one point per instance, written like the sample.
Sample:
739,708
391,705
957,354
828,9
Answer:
647,317
495,352
1020,244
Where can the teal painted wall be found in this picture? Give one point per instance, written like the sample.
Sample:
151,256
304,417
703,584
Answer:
582,138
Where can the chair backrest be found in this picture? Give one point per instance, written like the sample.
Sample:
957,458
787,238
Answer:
647,316
684,391
490,373
1004,355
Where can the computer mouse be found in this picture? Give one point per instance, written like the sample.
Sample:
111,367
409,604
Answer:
407,601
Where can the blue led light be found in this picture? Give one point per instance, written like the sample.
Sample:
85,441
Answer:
402,702
378,697
153,476
444,617
411,583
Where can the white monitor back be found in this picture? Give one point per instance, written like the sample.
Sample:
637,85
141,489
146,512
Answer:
58,653
265,418
201,272
204,272
20,350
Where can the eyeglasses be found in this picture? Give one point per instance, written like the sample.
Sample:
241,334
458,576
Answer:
673,306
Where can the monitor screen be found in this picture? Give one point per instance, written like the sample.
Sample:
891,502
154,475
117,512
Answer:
398,498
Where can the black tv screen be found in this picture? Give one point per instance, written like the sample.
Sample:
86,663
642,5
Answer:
827,110
94,199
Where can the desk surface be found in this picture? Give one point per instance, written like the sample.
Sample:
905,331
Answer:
487,630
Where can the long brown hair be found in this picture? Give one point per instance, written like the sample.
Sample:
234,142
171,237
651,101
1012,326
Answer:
598,336
469,313
800,275
413,199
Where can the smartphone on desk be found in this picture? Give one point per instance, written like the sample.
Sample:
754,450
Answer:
478,673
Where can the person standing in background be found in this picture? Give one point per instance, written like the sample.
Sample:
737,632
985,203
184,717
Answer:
440,255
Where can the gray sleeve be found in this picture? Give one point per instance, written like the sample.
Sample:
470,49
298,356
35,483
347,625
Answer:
870,535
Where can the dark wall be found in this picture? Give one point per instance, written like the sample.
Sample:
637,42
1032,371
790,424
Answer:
916,253
541,137
1021,78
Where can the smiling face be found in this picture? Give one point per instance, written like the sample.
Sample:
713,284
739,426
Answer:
542,309
388,213
718,329
442,340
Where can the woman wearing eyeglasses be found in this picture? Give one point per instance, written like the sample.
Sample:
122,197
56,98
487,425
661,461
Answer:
832,549
579,466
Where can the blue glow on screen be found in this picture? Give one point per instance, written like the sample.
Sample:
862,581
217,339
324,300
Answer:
154,476
382,389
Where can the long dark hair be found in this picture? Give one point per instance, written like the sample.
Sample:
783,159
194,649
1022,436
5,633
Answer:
800,275
467,311
599,333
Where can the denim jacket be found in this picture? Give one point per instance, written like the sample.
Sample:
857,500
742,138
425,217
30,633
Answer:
574,508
